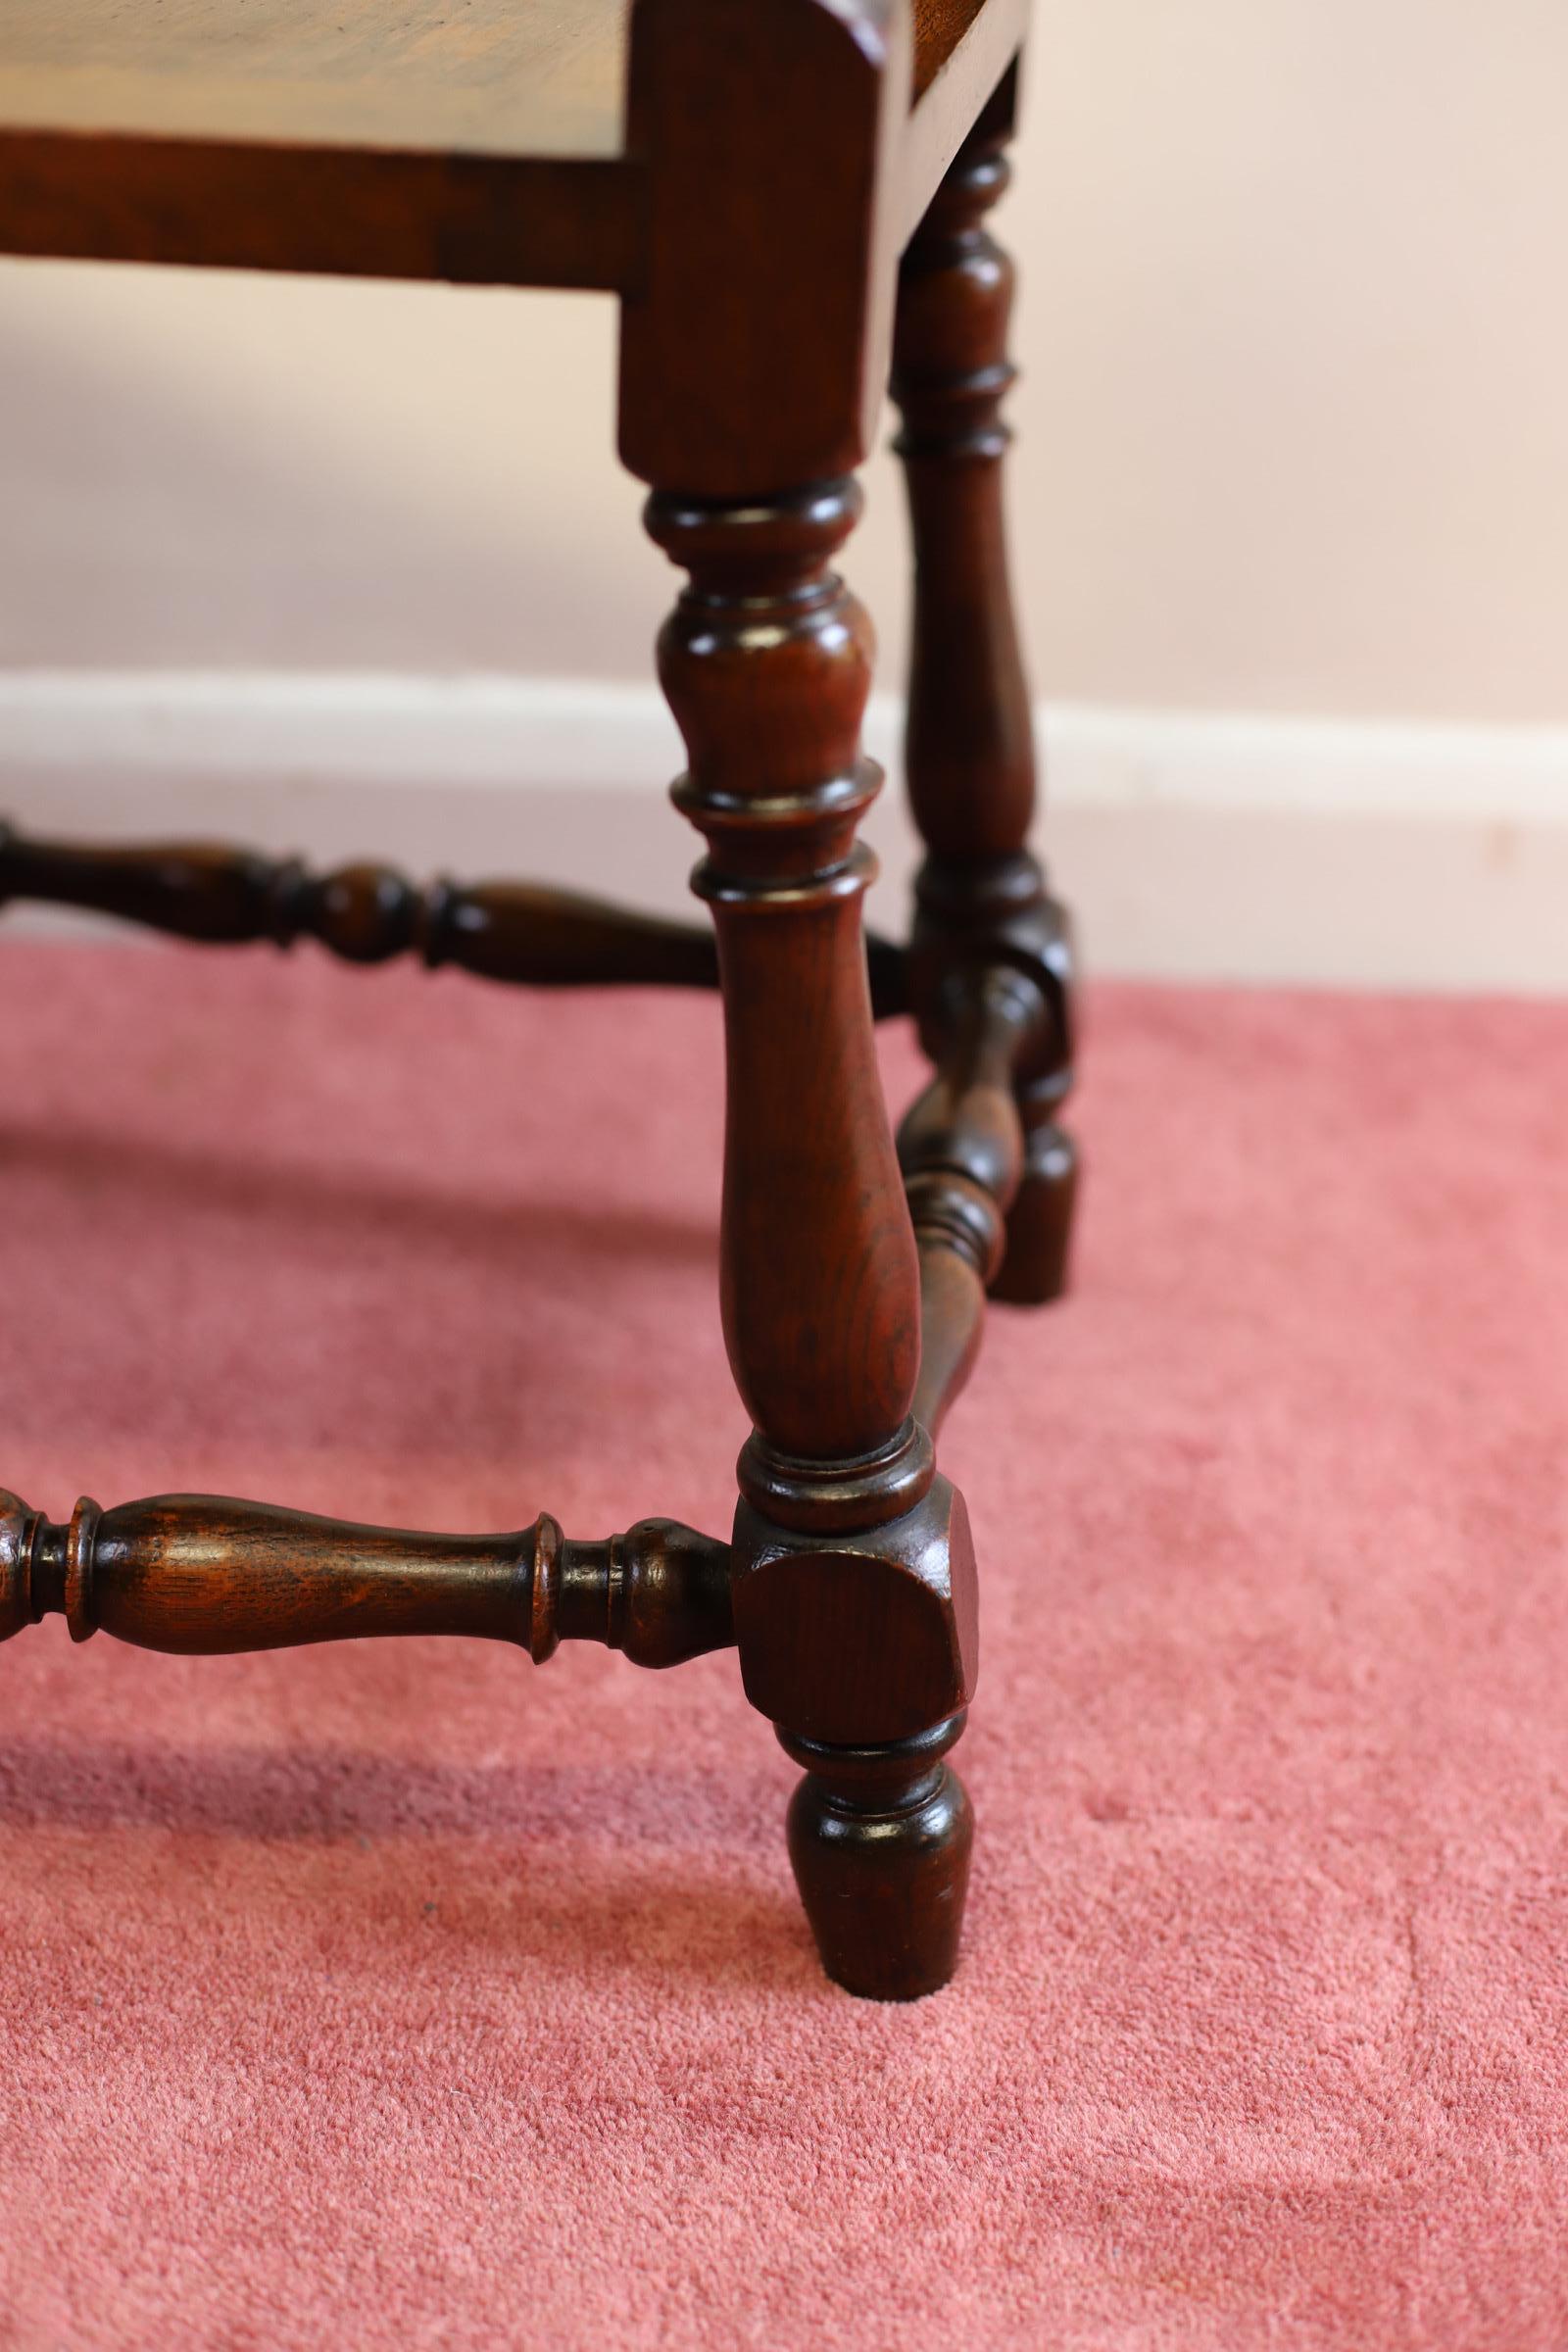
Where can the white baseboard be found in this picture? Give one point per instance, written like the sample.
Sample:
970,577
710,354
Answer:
1194,847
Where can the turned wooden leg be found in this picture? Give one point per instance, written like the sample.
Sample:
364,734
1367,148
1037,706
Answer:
880,1840
853,1580
970,752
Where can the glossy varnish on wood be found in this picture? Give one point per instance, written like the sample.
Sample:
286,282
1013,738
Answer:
969,742
513,931
475,140
755,211
481,77
201,1575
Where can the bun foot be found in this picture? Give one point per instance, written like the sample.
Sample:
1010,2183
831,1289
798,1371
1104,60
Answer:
1034,1266
879,1838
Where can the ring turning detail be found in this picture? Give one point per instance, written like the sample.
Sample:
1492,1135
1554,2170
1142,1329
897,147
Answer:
790,200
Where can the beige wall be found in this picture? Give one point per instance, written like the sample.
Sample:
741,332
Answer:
1294,434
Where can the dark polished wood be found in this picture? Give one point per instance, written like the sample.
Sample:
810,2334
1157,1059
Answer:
962,1150
201,1575
854,1584
719,398
482,143
767,664
968,743
880,1840
746,175
1036,1262
488,145
969,746
512,931
204,204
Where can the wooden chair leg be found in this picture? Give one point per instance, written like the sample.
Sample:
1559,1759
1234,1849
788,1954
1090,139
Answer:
853,1580
970,752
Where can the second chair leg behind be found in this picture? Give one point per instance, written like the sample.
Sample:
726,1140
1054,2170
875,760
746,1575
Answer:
982,897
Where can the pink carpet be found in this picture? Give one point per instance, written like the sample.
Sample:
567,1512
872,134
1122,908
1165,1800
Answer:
401,1995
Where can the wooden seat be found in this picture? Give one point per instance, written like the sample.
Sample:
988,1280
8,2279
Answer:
457,76
467,139
789,198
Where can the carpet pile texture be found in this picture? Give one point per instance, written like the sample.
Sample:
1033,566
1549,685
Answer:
401,1994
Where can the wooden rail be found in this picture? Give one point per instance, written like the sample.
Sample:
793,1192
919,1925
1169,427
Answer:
516,932
199,1575
961,1146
